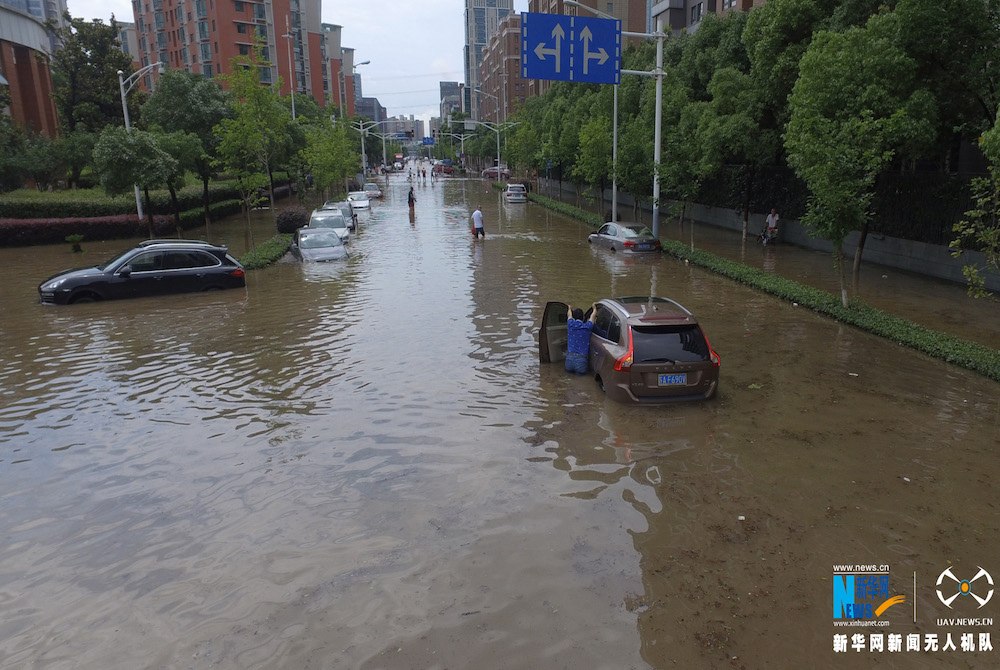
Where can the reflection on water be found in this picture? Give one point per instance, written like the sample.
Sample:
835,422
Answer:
362,464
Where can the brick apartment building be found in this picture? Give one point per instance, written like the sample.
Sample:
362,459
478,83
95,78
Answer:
25,50
203,36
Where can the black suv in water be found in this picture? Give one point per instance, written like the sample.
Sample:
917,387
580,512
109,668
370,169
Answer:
154,267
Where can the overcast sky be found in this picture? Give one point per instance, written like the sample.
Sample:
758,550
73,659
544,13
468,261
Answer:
412,45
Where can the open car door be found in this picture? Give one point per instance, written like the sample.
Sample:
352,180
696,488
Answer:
553,334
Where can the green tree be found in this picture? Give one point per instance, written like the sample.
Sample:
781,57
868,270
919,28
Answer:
980,228
41,161
85,74
192,104
329,154
185,149
123,159
77,151
855,103
593,160
251,142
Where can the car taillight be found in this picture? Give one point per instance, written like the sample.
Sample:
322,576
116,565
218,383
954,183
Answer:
624,363
712,355
238,272
628,244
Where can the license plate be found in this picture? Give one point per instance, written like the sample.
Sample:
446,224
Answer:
673,380
645,247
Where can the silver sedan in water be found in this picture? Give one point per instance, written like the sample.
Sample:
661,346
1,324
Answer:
627,237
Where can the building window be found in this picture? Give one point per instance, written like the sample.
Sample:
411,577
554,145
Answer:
203,30
265,75
259,12
244,49
239,6
206,51
206,69
729,4
158,20
611,8
200,9
241,28
696,12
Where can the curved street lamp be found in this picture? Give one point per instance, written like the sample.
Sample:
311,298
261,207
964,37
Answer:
343,85
126,84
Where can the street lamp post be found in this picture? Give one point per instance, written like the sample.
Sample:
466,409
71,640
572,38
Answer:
363,127
343,85
126,84
658,116
292,79
497,128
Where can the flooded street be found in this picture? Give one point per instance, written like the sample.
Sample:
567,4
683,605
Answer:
362,465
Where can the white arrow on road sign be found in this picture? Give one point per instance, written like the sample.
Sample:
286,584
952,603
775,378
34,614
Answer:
558,33
600,55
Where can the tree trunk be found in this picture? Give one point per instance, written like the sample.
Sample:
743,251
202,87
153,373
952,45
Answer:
176,207
751,177
270,192
838,264
858,251
149,213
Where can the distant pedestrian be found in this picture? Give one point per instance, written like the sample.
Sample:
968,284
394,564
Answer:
477,224
411,198
578,339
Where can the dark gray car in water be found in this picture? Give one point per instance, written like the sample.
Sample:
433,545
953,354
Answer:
154,267
643,349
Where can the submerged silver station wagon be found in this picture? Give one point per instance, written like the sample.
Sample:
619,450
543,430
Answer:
643,349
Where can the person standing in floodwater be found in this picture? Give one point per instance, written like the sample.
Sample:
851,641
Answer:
578,339
411,199
477,224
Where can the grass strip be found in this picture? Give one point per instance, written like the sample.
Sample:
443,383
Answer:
266,253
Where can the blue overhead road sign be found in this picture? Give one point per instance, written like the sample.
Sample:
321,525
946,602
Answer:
570,48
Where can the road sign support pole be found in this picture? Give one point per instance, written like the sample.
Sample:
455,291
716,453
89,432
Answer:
657,123
614,163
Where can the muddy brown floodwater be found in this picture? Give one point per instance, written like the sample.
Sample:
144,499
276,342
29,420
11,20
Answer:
362,465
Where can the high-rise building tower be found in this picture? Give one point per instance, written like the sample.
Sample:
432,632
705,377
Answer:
203,36
482,17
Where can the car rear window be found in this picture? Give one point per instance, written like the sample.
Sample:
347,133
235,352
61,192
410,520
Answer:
681,344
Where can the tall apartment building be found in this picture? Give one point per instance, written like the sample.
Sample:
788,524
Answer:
203,36
686,15
338,76
482,19
451,98
503,88
25,50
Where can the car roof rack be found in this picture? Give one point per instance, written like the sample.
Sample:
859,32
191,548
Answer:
146,243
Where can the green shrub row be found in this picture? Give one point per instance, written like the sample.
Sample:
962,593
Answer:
27,204
266,253
970,355
26,232
589,218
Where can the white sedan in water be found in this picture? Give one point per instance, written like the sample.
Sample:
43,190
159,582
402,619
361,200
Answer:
358,200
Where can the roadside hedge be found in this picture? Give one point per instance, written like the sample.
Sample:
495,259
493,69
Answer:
24,232
970,355
82,203
267,253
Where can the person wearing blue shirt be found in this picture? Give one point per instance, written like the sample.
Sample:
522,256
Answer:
578,339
